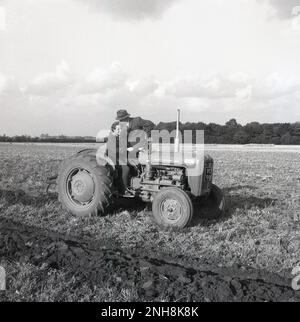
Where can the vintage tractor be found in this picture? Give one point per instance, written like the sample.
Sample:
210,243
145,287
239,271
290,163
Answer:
88,183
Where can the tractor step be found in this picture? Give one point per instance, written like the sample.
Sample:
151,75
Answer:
127,194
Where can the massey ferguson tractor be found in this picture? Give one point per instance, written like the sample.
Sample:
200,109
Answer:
169,179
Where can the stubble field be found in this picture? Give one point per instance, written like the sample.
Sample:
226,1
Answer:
248,255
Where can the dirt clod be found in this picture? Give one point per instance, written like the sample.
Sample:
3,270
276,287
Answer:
168,277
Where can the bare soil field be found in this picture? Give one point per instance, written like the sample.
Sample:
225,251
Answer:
50,255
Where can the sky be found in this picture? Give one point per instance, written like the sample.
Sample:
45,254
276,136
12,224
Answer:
67,66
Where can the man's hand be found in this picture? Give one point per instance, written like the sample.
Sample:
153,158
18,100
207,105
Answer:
130,149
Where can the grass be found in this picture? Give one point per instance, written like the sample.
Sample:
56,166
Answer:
260,230
28,283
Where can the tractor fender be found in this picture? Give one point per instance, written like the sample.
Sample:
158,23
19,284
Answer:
102,158
100,154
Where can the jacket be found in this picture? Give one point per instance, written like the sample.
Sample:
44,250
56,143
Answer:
137,123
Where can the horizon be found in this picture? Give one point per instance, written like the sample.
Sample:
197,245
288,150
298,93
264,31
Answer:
107,129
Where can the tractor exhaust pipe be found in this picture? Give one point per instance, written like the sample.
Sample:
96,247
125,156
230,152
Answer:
177,132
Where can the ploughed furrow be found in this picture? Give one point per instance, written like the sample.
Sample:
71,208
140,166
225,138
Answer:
153,275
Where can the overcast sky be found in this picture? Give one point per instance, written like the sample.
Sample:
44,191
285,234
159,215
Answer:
66,66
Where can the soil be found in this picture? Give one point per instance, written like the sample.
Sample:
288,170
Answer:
153,274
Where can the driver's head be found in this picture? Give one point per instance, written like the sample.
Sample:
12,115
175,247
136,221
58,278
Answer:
122,116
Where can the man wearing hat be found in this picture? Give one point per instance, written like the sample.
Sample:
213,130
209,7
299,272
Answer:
129,126
134,123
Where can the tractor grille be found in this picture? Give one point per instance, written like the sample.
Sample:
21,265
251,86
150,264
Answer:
208,171
207,176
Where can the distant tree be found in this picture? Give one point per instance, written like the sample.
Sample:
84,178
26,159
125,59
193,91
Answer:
295,140
232,123
286,139
267,132
279,129
4,138
62,137
295,129
214,130
253,129
44,136
241,137
259,139
276,140
201,126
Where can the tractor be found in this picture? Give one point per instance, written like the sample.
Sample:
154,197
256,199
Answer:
171,181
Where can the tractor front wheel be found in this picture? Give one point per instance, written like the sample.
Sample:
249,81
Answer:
172,207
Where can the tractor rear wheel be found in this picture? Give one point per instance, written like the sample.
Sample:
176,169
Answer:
84,187
217,202
172,207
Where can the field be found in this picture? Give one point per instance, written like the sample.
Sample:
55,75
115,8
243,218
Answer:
248,255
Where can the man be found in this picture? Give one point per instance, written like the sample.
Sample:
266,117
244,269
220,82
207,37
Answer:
133,134
134,123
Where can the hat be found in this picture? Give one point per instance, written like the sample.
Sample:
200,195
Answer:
122,114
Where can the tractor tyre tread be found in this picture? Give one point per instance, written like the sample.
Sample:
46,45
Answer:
103,180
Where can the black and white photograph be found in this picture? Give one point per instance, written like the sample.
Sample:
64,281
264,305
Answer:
149,153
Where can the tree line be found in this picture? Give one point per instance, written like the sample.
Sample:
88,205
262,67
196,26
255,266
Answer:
234,133
230,133
47,139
